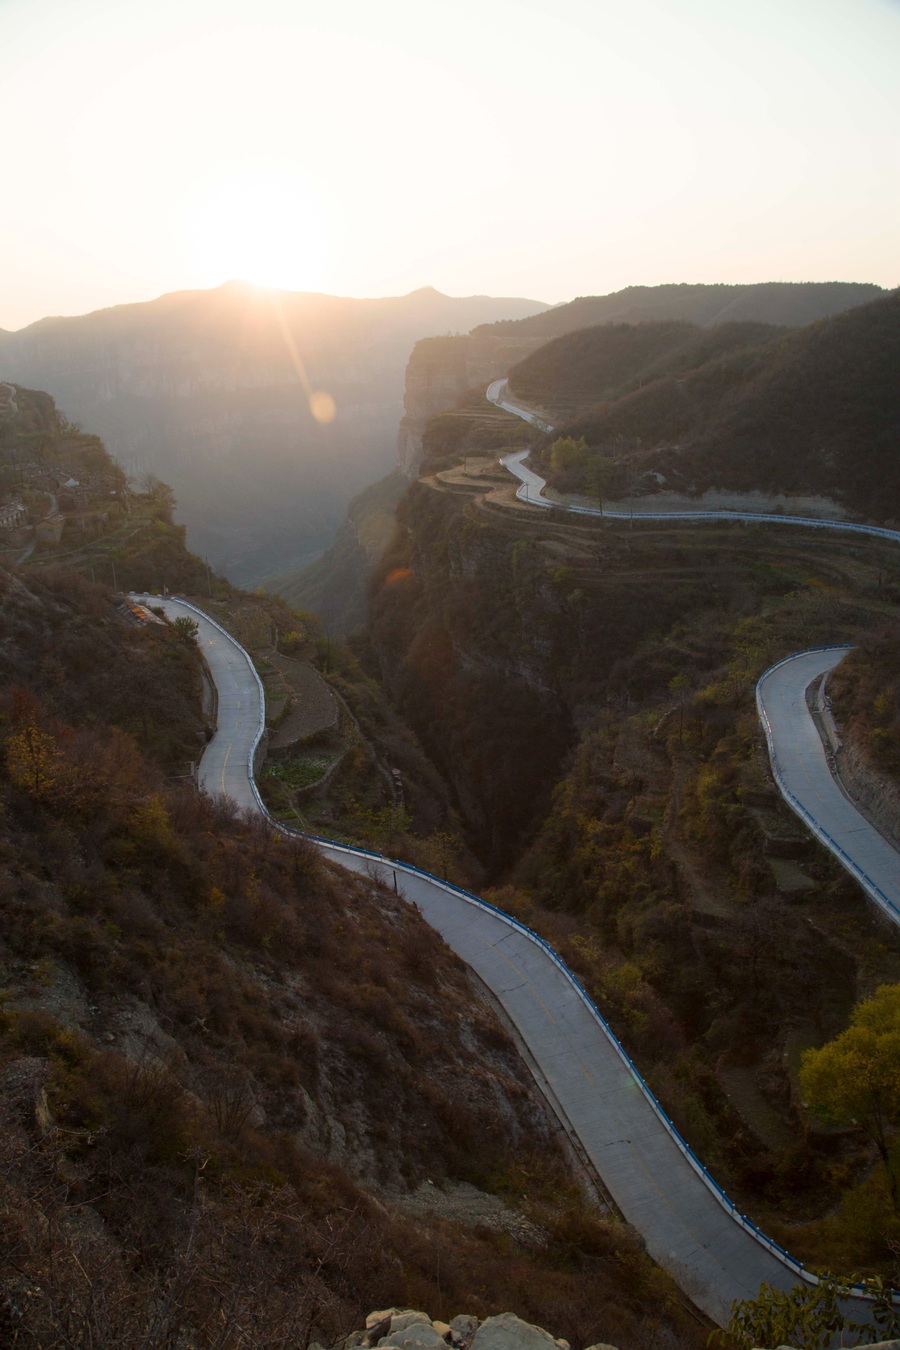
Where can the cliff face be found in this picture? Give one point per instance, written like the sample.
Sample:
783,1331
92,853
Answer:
436,376
440,371
498,634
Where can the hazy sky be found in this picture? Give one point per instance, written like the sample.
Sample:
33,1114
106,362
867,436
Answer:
547,148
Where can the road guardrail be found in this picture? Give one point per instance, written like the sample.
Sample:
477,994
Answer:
872,889
391,865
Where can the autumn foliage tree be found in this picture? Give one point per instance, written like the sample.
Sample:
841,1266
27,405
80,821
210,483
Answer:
34,761
856,1077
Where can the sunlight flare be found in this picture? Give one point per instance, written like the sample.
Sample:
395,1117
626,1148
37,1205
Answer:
262,226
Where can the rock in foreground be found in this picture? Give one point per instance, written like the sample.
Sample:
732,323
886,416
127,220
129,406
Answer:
407,1329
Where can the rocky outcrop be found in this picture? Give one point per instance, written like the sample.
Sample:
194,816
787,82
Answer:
407,1329
8,407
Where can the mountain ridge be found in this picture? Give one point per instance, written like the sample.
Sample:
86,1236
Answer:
812,410
444,376
211,392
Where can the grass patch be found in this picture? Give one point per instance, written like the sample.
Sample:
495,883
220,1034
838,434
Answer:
301,770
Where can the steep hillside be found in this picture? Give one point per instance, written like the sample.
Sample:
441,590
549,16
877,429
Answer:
440,371
65,503
865,696
334,585
210,391
588,691
574,373
244,1095
814,411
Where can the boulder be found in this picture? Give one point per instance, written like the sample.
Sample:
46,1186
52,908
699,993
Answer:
411,1330
375,1317
415,1336
508,1332
408,1317
464,1326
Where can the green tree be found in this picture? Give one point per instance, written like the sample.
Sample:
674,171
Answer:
855,1079
808,1315
566,453
186,628
440,851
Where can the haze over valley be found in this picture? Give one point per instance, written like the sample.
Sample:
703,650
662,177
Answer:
214,392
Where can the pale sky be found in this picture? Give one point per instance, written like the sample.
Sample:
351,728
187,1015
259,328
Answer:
544,148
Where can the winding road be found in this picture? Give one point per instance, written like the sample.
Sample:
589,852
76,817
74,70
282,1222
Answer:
799,763
690,1226
225,767
804,778
533,487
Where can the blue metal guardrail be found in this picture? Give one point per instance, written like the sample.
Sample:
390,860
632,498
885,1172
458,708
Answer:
872,889
739,517
747,517
780,1253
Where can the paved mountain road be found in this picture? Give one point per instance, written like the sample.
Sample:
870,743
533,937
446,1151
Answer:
799,764
685,1226
689,1226
533,486
802,772
224,764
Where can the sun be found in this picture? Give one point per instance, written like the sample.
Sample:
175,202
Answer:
262,227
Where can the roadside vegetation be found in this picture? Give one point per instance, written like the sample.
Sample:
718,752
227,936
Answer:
718,941
865,691
812,412
224,1064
